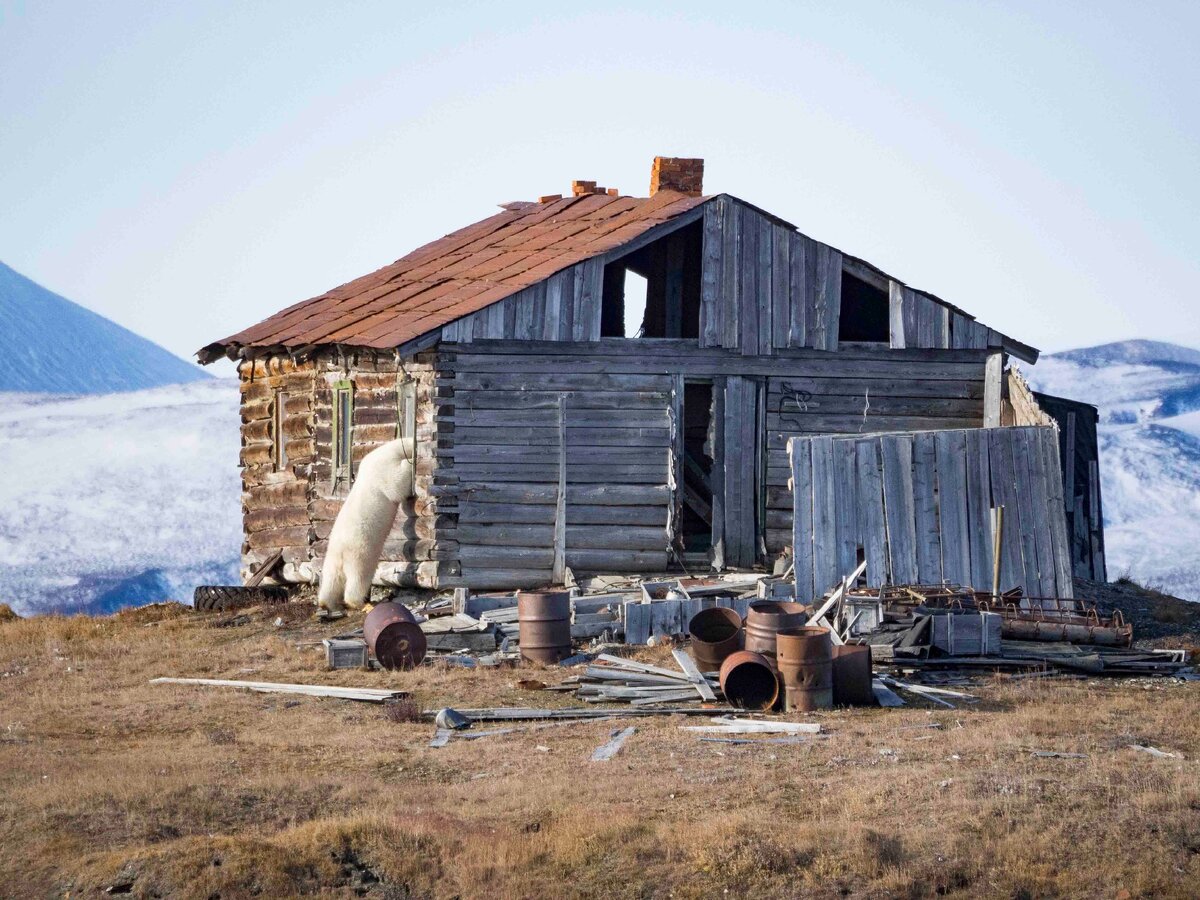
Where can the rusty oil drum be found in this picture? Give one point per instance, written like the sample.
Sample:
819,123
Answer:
394,637
749,681
715,633
852,675
805,659
544,618
766,618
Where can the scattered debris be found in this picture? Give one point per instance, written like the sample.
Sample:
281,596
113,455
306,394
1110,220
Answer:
1155,752
369,695
1056,754
612,746
731,725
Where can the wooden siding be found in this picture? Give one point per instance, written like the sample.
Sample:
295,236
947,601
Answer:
918,508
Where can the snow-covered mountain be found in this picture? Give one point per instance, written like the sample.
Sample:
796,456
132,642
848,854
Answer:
1148,394
116,500
55,346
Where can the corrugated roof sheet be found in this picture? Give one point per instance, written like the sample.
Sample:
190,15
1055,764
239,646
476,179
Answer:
461,273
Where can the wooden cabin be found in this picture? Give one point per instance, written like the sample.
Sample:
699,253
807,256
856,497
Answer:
595,381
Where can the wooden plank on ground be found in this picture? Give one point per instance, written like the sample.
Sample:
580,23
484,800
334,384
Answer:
694,675
612,746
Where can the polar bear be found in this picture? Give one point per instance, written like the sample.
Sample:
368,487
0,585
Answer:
384,479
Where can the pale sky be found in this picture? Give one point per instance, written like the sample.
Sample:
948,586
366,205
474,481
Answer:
189,168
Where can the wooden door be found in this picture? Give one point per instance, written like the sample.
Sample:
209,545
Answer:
740,447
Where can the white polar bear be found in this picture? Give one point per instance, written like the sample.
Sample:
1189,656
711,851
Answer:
384,479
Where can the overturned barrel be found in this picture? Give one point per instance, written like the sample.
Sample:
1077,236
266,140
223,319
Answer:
714,633
766,618
748,680
544,619
805,659
394,637
852,675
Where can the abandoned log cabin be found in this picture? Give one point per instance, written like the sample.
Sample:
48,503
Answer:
605,383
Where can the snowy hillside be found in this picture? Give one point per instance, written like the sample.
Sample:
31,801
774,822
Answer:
115,500
55,346
1148,394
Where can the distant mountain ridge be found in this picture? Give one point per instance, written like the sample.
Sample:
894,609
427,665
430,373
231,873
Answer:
1148,394
52,345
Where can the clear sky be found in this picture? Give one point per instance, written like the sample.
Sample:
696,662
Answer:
189,168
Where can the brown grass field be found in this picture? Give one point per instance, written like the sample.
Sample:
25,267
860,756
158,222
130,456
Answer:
111,783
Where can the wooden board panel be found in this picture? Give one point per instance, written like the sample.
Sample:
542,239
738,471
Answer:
896,451
926,526
979,502
738,464
954,516
872,526
825,557
800,451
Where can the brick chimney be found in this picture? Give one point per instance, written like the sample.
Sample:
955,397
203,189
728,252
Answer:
670,173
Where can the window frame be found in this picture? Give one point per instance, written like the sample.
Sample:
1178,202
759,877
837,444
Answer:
342,445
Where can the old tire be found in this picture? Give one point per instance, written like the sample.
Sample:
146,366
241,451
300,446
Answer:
215,597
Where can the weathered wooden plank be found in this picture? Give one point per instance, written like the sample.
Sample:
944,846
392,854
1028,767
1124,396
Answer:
992,390
576,474
828,297
825,556
953,516
1058,524
929,551
718,474
730,293
979,506
578,537
543,514
558,569
711,327
800,288
896,451
872,525
781,296
800,451
845,505
896,316
557,381
543,418
1004,493
598,495
576,437
749,272
738,462
1033,495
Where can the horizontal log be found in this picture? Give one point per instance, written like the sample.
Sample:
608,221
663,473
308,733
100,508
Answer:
279,537
603,418
653,364
616,561
257,454
548,456
790,407
576,514
478,400
274,517
503,579
484,556
623,473
576,437
556,381
685,347
292,493
603,495
256,432
582,537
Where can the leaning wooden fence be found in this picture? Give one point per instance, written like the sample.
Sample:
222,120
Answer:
917,507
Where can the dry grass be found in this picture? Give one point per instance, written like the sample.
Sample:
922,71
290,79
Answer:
193,792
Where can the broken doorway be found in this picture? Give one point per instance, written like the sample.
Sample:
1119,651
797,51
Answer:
697,468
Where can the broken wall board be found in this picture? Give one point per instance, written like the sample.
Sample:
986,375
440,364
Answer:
936,492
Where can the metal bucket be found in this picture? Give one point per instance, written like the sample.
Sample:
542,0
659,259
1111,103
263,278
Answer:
852,675
715,633
544,618
767,618
805,658
749,680
394,637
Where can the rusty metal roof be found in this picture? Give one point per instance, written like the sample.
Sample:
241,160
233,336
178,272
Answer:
460,273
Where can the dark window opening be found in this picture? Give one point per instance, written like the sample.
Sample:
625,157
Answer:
666,273
864,317
697,468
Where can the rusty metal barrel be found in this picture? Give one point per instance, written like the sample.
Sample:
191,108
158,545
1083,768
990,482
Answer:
766,618
394,637
805,659
544,618
749,680
715,633
852,675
